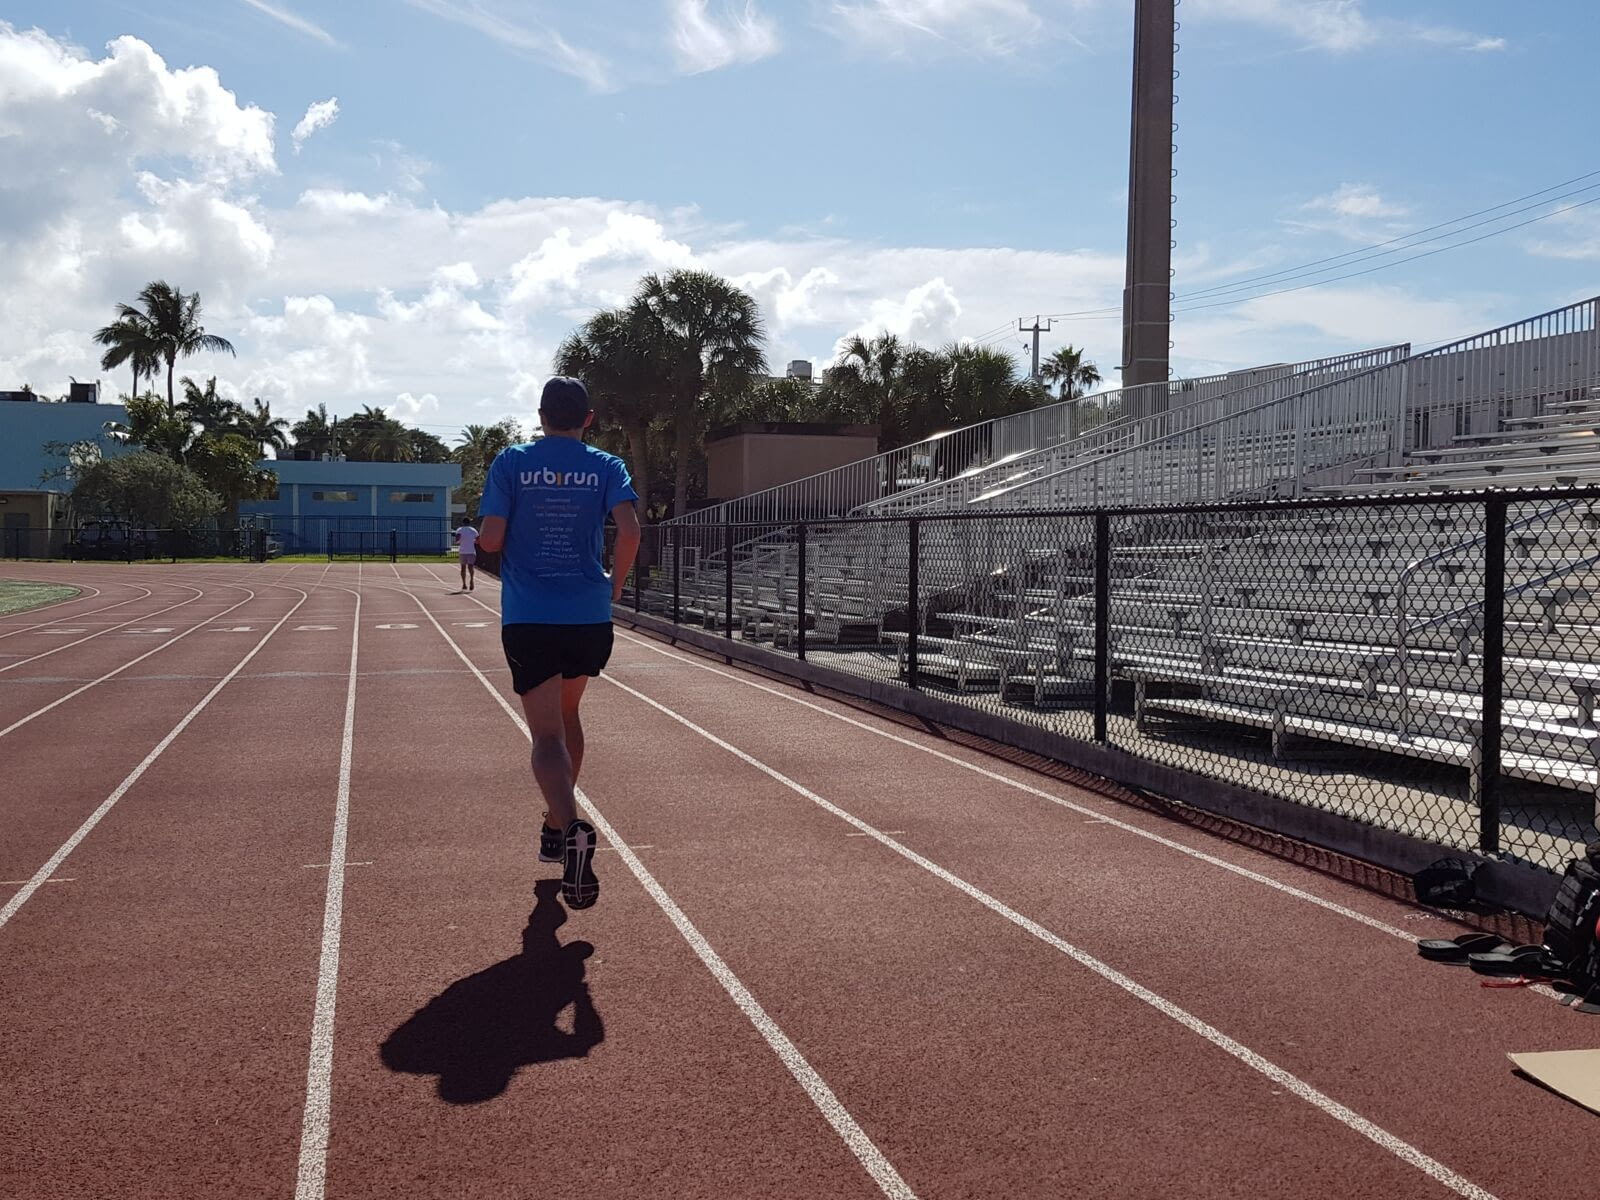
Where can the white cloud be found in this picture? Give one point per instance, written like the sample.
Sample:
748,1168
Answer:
319,115
1576,237
702,42
1357,211
1339,25
537,40
294,21
557,270
903,26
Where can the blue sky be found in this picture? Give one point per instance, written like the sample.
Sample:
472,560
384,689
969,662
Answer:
495,169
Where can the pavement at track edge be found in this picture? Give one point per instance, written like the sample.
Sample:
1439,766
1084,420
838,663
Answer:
831,958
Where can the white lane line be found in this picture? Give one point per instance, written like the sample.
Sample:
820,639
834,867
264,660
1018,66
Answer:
94,818
69,600
18,724
311,1180
1401,1149
1096,816
1081,809
833,1111
198,594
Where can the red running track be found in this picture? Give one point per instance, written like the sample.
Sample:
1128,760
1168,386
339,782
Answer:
292,941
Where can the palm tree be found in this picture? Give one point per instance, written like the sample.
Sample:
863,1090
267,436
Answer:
317,432
874,373
617,353
1069,372
713,339
171,324
129,340
480,444
258,425
212,412
375,436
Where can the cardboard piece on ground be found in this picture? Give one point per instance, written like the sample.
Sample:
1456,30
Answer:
1574,1074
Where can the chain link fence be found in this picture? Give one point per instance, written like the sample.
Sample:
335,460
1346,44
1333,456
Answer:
1426,664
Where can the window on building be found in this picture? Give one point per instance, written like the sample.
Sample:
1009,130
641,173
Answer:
410,497
334,497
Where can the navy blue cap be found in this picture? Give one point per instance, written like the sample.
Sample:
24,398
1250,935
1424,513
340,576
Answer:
564,402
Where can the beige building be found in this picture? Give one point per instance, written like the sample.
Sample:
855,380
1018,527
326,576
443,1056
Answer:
757,455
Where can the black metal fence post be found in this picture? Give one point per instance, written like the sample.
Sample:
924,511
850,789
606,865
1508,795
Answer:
800,599
1102,623
677,577
727,600
394,546
913,598
1493,675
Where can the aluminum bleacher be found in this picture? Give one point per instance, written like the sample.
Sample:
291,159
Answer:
1267,601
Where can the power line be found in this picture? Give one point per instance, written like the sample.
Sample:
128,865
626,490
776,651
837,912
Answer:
1304,269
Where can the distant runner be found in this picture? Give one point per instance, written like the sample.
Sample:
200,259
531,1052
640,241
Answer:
545,504
467,547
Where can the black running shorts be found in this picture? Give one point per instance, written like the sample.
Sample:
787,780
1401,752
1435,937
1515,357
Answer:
536,653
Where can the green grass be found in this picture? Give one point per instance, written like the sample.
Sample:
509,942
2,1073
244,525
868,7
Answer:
19,595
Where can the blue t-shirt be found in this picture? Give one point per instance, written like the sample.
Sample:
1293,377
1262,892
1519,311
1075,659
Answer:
555,495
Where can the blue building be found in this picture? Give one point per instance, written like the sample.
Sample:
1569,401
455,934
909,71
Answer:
33,487
342,506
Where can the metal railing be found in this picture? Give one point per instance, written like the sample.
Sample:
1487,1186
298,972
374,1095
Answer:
946,455
1322,434
1235,393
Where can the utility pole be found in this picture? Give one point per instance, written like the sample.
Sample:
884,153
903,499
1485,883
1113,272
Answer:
1036,329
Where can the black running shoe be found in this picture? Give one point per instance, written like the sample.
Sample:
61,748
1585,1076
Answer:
552,846
579,887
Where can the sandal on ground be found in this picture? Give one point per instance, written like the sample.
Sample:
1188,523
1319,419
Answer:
1519,960
1455,950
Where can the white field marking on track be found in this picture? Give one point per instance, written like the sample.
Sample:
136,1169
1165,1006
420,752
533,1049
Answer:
68,600
20,722
198,594
833,1111
133,776
1081,809
311,1177
1096,817
19,882
1348,1117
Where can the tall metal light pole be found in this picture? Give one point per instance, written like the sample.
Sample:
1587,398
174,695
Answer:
1146,311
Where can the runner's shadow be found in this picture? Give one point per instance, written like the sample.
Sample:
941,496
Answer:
476,1033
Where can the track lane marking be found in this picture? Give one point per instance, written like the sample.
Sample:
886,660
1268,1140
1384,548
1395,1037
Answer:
312,1173
198,594
1348,1117
872,1159
1083,810
42,875
69,600
18,724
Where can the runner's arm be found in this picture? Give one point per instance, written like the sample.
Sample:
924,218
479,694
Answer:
626,548
492,537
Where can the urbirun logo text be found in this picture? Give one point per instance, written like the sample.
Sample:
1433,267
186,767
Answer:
549,478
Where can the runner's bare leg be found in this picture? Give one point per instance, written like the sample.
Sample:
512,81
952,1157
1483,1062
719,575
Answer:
552,765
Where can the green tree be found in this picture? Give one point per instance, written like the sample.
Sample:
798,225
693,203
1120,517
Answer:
214,413
151,426
129,340
226,464
618,353
316,431
1071,375
262,428
145,489
711,337
871,374
170,321
372,435
427,447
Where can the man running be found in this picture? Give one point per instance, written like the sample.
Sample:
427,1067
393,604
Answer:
545,504
466,539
